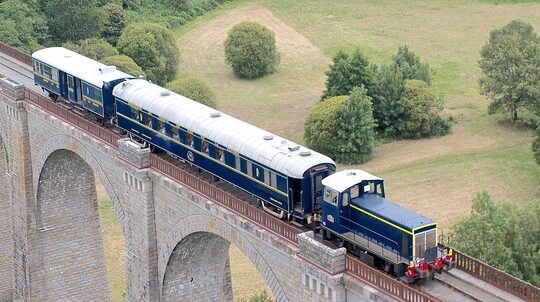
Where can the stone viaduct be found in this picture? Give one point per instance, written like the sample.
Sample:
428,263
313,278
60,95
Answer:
177,240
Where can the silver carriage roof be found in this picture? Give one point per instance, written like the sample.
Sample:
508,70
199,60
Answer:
342,180
79,66
262,146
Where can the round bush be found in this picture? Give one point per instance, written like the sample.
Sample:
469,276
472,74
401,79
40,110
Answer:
250,49
194,89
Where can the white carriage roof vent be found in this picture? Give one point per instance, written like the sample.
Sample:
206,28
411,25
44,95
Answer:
67,56
294,148
351,173
165,93
284,142
305,153
215,114
268,137
107,69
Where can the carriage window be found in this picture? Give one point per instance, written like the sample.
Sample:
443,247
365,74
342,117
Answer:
237,162
221,155
189,139
330,196
267,177
98,95
273,180
147,120
161,126
204,147
175,134
249,168
36,67
47,71
345,201
141,117
54,74
135,113
355,192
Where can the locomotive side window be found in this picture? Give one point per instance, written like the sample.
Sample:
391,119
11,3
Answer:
330,196
345,201
355,192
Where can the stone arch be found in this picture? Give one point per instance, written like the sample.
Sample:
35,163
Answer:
59,142
217,233
66,244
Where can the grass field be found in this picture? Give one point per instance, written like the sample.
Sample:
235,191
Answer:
437,177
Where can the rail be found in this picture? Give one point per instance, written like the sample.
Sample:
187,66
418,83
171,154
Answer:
354,266
497,278
384,282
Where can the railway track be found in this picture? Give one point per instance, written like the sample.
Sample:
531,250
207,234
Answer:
448,288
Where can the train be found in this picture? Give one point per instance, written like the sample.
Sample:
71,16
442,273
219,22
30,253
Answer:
289,181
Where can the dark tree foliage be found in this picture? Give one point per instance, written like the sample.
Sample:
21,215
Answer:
21,27
346,72
250,49
153,48
125,64
195,89
503,235
94,48
510,67
115,22
342,127
536,146
411,65
421,107
73,20
386,92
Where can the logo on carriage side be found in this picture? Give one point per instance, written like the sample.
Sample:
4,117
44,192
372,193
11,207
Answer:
190,156
330,218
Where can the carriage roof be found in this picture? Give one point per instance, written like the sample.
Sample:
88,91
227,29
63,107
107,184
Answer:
261,146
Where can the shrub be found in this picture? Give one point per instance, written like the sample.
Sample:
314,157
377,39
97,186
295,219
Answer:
194,89
115,22
73,20
125,64
421,107
153,48
342,127
347,72
94,48
250,49
411,66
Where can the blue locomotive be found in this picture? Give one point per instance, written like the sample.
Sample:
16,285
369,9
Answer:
290,181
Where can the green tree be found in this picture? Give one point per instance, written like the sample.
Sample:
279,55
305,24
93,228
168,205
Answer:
386,91
347,72
261,296
503,235
21,27
536,146
115,22
195,89
153,48
411,65
510,64
73,20
421,107
342,127
250,49
94,48
125,64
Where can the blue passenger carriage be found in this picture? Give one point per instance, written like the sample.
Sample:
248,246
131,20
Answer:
77,79
285,177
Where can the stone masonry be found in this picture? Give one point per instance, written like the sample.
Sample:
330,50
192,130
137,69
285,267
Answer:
177,241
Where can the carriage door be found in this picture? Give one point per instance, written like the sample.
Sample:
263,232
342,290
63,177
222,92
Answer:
78,91
71,88
317,189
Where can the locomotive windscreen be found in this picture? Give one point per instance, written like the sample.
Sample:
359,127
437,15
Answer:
426,244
